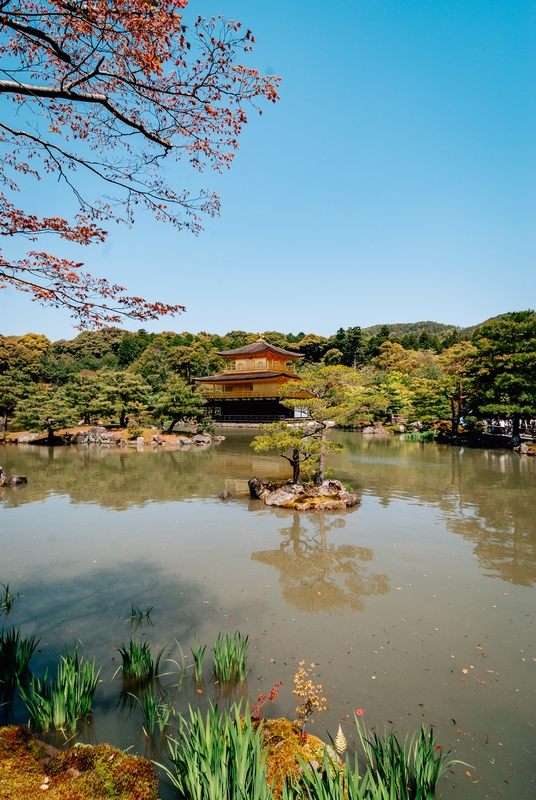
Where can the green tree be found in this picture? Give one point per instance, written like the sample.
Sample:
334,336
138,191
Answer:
195,360
91,349
376,341
455,362
331,395
14,387
429,400
154,363
85,394
46,409
276,338
350,343
26,353
180,402
332,357
388,394
132,346
122,393
235,339
392,357
503,367
293,442
312,346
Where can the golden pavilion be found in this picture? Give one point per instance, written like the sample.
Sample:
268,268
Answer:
248,389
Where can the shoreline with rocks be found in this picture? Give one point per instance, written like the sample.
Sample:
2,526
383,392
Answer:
96,434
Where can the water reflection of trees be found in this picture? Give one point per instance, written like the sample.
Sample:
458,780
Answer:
486,496
320,576
120,478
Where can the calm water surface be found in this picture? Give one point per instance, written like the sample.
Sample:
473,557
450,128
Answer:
432,575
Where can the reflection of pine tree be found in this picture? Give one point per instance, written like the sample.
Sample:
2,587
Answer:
499,521
485,496
317,576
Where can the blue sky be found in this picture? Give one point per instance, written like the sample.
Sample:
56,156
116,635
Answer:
393,182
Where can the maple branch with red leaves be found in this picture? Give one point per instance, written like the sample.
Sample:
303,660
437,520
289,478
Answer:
128,84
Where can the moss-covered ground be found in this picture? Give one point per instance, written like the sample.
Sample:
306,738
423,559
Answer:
83,772
287,747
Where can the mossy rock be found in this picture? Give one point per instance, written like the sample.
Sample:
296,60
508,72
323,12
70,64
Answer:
83,772
287,748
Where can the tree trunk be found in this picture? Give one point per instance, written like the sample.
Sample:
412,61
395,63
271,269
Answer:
50,440
453,417
321,460
122,418
456,404
296,466
87,420
3,421
173,423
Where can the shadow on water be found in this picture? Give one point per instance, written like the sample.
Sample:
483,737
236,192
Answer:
87,610
320,576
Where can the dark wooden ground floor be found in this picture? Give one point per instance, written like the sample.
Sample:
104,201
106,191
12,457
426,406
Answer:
248,409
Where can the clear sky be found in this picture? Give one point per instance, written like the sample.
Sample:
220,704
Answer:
393,182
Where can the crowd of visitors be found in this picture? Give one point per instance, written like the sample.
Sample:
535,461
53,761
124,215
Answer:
504,427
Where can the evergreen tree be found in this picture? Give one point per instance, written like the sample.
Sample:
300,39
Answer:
180,402
503,367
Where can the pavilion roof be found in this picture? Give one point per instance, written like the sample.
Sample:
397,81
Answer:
233,377
260,346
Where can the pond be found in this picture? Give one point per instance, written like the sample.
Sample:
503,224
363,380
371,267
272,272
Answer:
417,606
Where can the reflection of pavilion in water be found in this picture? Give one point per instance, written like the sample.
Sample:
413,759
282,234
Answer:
317,576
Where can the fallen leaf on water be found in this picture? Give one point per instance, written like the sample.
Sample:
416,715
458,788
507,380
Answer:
479,647
482,681
465,671
231,620
206,602
468,773
199,691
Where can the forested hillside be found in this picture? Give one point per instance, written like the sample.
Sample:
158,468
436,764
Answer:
424,371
